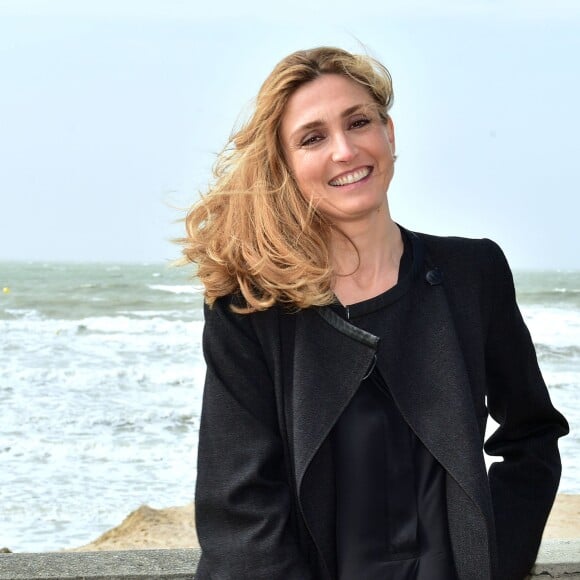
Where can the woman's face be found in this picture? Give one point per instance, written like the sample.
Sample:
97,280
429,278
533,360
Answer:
338,148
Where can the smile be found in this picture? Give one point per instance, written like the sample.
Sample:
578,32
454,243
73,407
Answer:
353,177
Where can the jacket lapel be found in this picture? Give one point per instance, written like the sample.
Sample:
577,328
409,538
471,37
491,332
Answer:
423,365
425,370
331,357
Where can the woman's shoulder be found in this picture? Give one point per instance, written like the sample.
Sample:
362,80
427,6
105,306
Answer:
470,260
460,250
457,245
231,311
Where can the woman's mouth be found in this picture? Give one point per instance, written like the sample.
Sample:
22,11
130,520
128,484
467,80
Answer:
351,177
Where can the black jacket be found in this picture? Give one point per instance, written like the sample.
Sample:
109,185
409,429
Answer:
278,381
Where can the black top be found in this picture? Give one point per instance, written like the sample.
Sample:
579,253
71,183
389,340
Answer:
391,517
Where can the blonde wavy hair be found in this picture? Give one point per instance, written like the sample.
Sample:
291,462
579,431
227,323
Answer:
253,232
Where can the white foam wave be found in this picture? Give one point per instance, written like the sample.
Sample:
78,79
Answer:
23,313
177,288
33,329
564,380
554,326
173,314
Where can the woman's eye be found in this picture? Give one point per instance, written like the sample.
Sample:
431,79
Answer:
357,123
311,140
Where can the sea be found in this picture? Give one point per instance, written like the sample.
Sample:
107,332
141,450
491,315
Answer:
101,379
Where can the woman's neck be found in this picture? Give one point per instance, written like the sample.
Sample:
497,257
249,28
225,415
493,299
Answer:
366,261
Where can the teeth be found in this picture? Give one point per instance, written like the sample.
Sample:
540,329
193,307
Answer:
351,177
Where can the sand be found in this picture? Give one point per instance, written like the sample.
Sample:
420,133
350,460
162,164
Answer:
564,520
149,528
174,527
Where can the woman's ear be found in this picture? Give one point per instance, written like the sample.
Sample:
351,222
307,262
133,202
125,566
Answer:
391,137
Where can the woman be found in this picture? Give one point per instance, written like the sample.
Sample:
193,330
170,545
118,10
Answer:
351,364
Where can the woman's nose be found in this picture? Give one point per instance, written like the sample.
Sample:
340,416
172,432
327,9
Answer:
343,148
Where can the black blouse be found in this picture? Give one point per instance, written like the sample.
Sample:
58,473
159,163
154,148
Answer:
391,515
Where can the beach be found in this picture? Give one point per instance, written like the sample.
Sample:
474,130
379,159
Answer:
174,527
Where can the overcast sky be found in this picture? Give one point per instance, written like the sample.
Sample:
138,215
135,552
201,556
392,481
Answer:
112,112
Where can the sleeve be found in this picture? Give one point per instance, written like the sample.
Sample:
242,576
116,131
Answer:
524,484
243,503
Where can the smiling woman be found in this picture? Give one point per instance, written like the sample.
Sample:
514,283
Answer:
352,364
338,148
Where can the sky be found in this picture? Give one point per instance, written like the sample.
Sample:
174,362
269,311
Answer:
112,114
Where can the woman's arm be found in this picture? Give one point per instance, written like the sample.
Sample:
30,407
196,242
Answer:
242,494
524,484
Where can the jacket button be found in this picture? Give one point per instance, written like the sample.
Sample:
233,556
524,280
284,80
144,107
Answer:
434,276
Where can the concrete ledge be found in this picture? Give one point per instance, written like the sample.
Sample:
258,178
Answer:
128,565
559,559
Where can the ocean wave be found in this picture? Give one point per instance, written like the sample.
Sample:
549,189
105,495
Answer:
177,288
544,294
558,353
171,314
554,326
560,297
139,326
37,330
22,313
